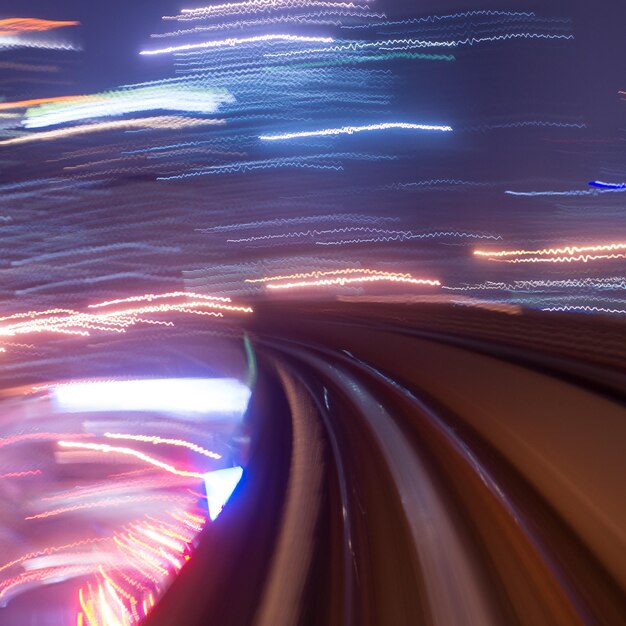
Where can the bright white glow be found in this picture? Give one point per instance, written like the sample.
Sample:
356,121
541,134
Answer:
235,41
349,130
219,487
127,102
175,395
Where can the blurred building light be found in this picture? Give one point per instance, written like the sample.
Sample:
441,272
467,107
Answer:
174,395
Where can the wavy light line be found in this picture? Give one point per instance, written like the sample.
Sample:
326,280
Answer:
107,449
173,442
236,41
570,250
349,130
342,281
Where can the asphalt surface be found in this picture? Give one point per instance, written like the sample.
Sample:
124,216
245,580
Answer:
422,465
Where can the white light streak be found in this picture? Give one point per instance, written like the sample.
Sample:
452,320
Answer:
350,130
236,41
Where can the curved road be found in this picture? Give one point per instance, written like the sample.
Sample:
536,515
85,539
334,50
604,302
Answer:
422,465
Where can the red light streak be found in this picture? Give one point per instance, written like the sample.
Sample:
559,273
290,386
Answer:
21,475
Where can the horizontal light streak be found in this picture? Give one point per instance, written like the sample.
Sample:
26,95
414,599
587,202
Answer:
154,123
107,449
349,130
237,41
176,395
23,104
565,250
108,503
172,442
342,281
16,25
158,296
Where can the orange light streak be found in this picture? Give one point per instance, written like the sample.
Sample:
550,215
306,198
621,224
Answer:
394,278
153,296
107,449
171,122
319,274
142,556
173,442
67,321
24,104
565,250
16,25
585,258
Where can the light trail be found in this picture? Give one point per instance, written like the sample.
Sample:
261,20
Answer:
342,281
107,449
125,101
49,436
158,440
23,474
67,321
108,503
236,41
569,250
15,25
255,6
584,258
24,104
349,130
408,44
153,123
157,296
320,273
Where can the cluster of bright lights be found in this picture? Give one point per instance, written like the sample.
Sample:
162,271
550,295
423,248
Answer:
565,254
151,551
349,130
118,319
